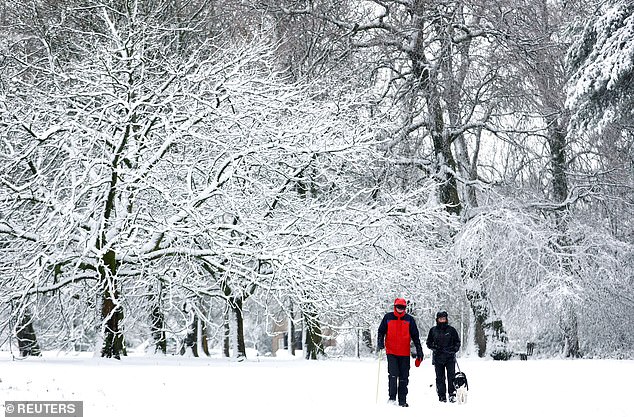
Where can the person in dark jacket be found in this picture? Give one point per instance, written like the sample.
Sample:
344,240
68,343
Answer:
395,331
443,340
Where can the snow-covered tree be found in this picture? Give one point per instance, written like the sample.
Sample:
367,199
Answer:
528,274
185,173
600,89
140,151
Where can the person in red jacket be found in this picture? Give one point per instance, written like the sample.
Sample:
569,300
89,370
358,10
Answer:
395,331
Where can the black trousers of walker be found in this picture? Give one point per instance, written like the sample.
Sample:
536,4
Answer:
398,377
441,388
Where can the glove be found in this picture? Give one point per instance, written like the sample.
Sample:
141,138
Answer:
418,361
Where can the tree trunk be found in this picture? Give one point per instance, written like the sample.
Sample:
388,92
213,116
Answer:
366,336
27,340
199,342
204,340
291,333
442,86
226,340
446,164
241,351
557,143
157,318
489,332
157,328
570,330
111,310
191,339
112,314
314,341
196,338
235,307
481,314
427,80
490,335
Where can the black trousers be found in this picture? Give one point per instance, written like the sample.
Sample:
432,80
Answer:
441,388
398,377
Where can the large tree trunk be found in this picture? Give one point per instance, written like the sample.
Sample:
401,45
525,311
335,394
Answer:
481,315
203,341
112,314
489,333
191,339
111,310
314,341
443,94
240,347
445,162
557,143
235,307
157,318
157,328
490,336
27,340
569,327
196,338
426,80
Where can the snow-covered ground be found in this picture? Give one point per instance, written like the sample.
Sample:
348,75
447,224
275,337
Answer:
177,386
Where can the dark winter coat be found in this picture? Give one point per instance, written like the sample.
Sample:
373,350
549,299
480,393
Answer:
444,342
395,332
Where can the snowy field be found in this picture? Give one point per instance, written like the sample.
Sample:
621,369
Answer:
176,386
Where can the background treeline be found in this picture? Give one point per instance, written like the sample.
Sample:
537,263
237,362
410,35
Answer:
188,175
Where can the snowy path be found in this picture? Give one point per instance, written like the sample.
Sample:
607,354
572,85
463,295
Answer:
272,387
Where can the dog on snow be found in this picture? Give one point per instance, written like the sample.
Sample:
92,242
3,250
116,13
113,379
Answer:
462,386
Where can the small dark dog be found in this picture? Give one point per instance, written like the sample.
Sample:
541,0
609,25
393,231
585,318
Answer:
462,386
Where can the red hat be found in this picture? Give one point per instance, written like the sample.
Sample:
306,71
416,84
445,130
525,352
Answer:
400,302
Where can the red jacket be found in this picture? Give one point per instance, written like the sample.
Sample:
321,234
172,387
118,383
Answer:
395,332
